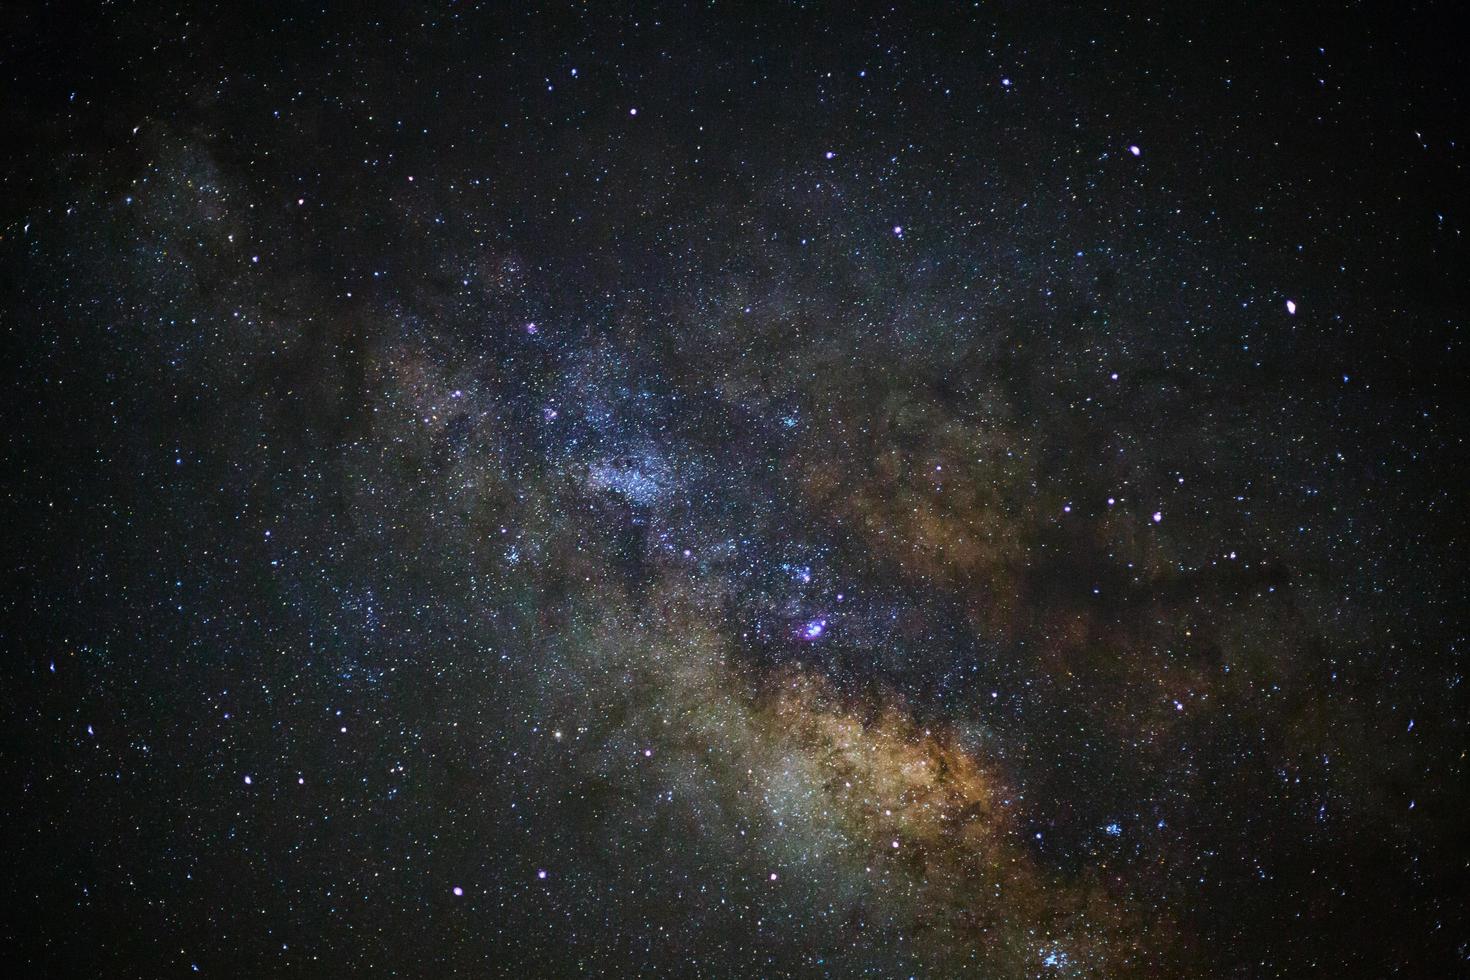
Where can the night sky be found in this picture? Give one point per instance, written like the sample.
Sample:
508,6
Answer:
734,490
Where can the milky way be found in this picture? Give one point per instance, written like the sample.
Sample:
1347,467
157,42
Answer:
752,492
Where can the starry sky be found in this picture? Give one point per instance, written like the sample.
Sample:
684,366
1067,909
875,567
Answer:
733,490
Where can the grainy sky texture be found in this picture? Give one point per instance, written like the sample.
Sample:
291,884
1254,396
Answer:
733,490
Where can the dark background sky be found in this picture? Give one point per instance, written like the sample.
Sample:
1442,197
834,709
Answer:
740,490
